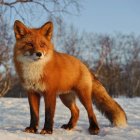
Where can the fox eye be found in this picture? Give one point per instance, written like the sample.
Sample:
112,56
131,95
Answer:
42,45
30,44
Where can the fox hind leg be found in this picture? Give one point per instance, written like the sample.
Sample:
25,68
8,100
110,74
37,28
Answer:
85,98
69,101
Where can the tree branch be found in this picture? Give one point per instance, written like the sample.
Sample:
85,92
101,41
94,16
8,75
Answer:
2,2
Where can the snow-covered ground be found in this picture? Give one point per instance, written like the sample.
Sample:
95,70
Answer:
15,116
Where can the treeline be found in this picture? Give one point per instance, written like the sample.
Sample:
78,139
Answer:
114,58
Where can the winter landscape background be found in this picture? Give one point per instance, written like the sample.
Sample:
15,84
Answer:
105,35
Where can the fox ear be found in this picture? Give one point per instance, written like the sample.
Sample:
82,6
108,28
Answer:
47,30
20,29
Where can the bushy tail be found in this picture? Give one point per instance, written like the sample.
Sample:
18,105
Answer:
106,105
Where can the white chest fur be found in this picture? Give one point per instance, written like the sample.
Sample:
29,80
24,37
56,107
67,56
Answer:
32,74
32,68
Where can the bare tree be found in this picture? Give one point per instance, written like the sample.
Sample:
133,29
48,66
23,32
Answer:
5,44
105,43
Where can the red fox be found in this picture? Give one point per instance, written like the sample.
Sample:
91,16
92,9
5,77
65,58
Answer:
48,73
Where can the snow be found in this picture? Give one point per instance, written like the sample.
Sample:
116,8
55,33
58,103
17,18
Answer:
15,116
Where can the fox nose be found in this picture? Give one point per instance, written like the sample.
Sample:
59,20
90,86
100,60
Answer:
39,54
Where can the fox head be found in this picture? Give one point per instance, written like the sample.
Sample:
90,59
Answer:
33,44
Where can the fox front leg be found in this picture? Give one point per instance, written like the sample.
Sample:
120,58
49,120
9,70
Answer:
34,102
50,103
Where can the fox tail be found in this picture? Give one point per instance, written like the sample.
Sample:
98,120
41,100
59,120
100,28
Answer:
106,105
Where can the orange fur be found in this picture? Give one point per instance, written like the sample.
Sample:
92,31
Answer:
43,71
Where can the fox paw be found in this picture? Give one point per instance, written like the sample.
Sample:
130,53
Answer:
67,126
45,131
93,131
30,130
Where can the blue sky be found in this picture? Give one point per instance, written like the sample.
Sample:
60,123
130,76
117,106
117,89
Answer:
101,16
108,16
